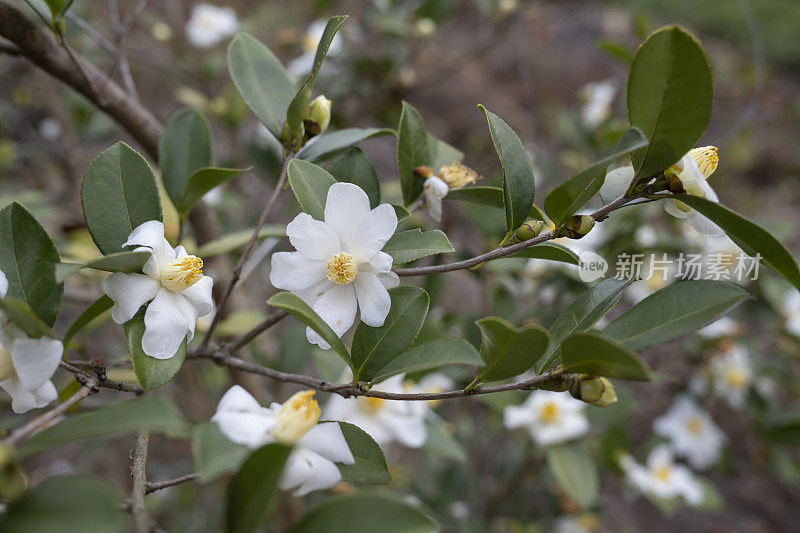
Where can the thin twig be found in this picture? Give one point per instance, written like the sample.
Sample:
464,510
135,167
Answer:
141,522
85,378
268,322
42,421
121,30
152,486
9,50
89,30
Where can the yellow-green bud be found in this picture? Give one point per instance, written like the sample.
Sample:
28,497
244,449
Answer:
528,230
318,116
13,481
578,226
594,390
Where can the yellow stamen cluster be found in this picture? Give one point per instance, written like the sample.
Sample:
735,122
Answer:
295,417
182,273
695,425
458,175
549,413
662,473
371,405
736,378
6,366
342,268
706,158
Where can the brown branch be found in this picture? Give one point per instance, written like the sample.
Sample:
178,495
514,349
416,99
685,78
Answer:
85,379
42,421
268,322
141,522
152,486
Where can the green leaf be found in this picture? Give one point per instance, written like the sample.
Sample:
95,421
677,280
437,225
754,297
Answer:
28,258
184,148
592,352
98,307
299,104
401,212
749,237
202,181
66,503
440,443
24,317
233,241
310,185
491,196
575,471
616,184
442,154
429,355
373,511
355,167
509,351
674,311
261,80
374,348
332,143
117,262
518,182
301,310
567,198
413,150
155,412
118,194
670,93
582,314
152,373
251,489
550,252
213,453
407,246
370,466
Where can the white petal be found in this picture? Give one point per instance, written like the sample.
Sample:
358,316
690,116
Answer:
407,429
674,210
35,360
313,238
188,311
23,400
345,207
517,416
373,299
389,280
381,262
165,327
703,225
293,271
151,235
337,307
242,419
327,439
3,284
308,471
200,295
129,292
371,233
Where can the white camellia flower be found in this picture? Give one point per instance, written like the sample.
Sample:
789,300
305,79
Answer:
691,174
309,43
791,310
691,433
317,447
723,327
731,375
338,266
598,97
549,417
210,24
661,477
175,283
26,364
386,421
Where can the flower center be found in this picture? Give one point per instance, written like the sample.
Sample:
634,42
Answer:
706,158
549,413
372,405
182,273
736,378
662,473
295,417
342,268
695,425
6,366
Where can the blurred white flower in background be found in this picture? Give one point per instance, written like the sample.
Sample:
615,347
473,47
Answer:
317,446
309,43
791,310
691,432
661,477
646,236
731,375
549,417
657,272
582,523
723,327
50,129
691,175
210,24
597,99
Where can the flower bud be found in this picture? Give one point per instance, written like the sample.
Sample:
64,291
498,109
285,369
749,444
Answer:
318,116
578,226
13,480
423,171
295,417
593,390
528,230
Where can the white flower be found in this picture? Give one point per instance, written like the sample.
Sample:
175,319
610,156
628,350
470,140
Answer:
386,421
646,236
661,478
317,447
598,97
26,364
731,375
724,327
657,272
209,25
691,174
50,129
549,417
175,283
584,523
435,189
791,309
691,432
310,42
338,266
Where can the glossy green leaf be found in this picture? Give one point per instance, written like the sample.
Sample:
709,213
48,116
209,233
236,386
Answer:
582,314
214,455
550,252
674,311
749,237
567,198
128,261
430,355
518,182
413,150
202,181
24,318
374,348
509,351
407,246
310,185
372,511
185,147
301,310
355,167
491,196
118,194
251,490
28,258
152,373
670,94
591,352
370,466
98,307
233,241
401,212
575,471
616,184
442,154
155,412
332,143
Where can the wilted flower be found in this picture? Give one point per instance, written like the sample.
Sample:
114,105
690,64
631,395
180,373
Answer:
338,266
661,477
689,176
437,186
691,432
435,189
549,417
210,24
317,447
598,97
731,375
175,283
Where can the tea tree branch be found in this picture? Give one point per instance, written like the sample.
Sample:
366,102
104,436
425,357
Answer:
141,522
42,421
